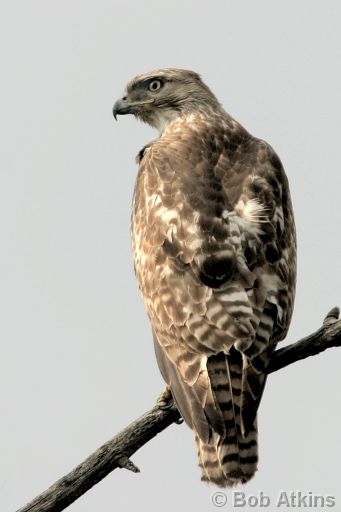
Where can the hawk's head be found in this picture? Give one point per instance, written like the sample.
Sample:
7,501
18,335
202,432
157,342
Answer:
160,96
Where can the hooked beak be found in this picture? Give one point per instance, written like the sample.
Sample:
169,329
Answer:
124,106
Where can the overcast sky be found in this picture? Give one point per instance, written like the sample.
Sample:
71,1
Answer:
76,361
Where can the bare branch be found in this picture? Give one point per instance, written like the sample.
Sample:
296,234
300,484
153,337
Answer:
116,453
113,454
329,335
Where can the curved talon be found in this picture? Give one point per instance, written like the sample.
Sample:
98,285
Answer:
165,406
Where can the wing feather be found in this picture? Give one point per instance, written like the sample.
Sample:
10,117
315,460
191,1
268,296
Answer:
214,244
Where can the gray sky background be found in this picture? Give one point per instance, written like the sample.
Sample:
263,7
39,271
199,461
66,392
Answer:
77,361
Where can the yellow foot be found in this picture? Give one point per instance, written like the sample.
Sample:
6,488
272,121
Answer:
165,400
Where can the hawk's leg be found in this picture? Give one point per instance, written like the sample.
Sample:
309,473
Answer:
166,401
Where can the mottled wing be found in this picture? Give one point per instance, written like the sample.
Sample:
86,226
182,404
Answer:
268,244
214,244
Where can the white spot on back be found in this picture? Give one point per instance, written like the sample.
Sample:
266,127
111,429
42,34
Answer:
253,210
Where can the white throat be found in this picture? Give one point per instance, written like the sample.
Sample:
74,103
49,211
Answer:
163,118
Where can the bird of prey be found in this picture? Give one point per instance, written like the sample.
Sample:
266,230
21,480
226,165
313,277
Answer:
214,246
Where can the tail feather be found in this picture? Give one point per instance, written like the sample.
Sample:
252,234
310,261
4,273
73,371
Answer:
228,458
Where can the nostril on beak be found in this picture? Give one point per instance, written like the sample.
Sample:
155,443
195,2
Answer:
121,107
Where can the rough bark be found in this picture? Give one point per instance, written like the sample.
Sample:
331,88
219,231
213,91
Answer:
116,453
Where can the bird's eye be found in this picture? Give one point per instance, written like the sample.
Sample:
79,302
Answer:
155,85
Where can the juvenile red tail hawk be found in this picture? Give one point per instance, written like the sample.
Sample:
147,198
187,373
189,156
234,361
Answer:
215,255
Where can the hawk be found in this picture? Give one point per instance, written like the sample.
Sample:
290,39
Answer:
214,248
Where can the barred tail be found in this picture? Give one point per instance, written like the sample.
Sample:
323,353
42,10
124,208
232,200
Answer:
230,459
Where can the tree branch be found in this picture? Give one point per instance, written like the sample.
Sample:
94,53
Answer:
327,336
116,453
